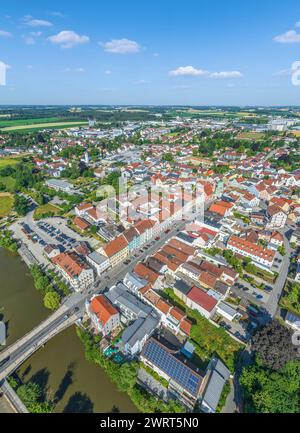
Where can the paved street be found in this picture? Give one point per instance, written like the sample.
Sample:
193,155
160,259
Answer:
5,407
272,303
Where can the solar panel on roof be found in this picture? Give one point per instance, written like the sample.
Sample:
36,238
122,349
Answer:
175,369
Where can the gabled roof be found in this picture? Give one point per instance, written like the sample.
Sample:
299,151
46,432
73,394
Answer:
146,273
71,263
103,309
201,298
115,246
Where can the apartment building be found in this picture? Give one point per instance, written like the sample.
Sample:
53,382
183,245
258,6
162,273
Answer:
256,253
74,270
117,250
104,316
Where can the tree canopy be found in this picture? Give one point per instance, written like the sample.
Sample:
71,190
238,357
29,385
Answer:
273,345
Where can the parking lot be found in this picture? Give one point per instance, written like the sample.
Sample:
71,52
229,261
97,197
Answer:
56,235
37,234
247,292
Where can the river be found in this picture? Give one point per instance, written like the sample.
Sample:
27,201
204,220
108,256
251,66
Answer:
60,367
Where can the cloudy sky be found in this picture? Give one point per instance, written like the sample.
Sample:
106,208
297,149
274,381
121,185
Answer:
198,52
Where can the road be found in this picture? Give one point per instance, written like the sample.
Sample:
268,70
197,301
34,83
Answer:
272,303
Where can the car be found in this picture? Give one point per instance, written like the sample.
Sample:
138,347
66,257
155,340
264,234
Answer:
259,297
157,238
268,288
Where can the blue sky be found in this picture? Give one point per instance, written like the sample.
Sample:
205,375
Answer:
199,52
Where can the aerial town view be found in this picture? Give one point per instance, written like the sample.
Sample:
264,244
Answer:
149,208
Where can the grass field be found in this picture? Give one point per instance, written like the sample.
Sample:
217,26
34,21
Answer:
20,122
6,204
250,136
34,126
9,183
46,209
5,162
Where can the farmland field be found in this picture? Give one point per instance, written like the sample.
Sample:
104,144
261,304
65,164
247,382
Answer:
20,122
296,133
45,125
250,136
5,162
6,204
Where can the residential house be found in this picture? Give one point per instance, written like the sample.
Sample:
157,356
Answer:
117,250
277,217
98,261
74,270
184,382
198,299
217,374
104,316
258,254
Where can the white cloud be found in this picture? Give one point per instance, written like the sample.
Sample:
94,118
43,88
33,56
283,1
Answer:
182,87
156,54
188,71
226,74
108,72
57,14
297,24
283,73
68,39
142,82
5,34
79,70
121,46
32,22
290,37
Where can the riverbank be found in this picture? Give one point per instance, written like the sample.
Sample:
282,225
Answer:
60,367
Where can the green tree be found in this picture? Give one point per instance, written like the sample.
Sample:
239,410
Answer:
273,345
21,205
52,300
267,391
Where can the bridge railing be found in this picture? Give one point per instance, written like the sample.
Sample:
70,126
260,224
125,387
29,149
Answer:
12,366
16,344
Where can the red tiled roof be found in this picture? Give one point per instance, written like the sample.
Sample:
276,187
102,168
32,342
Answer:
146,273
181,246
81,223
115,246
208,279
71,263
103,309
185,326
84,206
251,248
163,306
221,210
201,298
273,210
